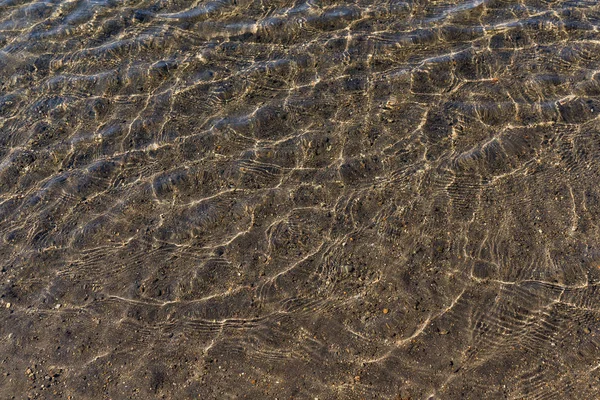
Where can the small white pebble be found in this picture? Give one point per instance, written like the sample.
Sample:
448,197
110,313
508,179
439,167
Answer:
8,305
57,306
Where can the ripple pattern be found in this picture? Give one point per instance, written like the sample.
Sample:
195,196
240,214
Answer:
299,199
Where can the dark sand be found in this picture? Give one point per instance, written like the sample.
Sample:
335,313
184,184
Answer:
299,200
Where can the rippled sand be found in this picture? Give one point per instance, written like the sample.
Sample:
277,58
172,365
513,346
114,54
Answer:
277,199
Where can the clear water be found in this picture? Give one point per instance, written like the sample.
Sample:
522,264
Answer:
278,199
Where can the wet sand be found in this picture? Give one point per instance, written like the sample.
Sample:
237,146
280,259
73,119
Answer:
299,200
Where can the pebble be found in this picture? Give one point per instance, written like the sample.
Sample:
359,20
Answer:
8,305
385,311
586,330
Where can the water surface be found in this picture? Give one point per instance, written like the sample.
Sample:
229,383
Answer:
279,199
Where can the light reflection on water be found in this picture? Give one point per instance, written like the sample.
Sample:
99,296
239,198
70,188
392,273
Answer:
318,199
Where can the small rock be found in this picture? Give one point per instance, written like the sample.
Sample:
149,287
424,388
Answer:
586,330
385,311
142,16
8,305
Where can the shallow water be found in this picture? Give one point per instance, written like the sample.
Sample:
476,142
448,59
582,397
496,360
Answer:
332,200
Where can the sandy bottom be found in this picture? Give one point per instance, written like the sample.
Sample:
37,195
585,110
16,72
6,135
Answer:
299,200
